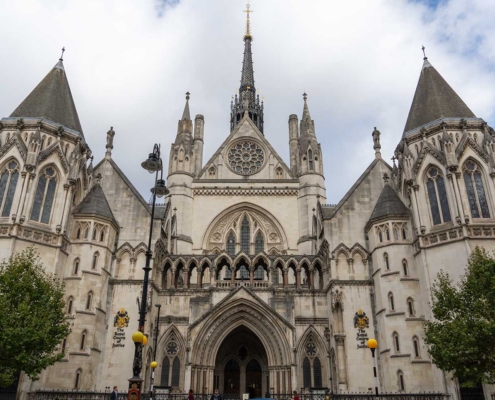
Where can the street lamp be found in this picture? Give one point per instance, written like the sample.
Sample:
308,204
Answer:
152,164
154,364
373,344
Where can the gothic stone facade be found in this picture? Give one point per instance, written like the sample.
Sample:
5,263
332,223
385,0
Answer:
260,282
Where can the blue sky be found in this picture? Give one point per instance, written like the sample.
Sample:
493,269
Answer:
129,63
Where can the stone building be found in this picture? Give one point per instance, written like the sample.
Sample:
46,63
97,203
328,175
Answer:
261,283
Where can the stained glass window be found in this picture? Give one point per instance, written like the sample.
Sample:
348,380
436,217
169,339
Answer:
259,243
306,373
231,244
45,193
165,371
245,235
176,372
475,191
437,196
317,373
8,180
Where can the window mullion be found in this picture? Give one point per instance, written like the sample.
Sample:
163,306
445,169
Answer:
438,202
44,199
6,192
475,189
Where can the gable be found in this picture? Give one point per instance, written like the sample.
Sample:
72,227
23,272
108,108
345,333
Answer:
246,153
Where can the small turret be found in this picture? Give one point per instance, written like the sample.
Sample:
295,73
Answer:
294,143
199,130
182,149
309,148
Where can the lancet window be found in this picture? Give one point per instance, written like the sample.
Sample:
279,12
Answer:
475,191
312,375
437,196
231,244
170,374
245,237
310,160
45,194
259,243
8,183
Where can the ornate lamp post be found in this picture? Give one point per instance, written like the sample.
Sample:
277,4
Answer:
154,364
152,164
372,345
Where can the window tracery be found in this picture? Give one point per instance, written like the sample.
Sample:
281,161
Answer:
245,157
312,375
171,376
437,196
8,183
475,191
45,193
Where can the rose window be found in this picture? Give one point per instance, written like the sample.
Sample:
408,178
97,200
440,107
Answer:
172,349
246,158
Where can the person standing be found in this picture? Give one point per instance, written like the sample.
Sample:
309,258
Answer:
191,395
114,394
216,395
296,396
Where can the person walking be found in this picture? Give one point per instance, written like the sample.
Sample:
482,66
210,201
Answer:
296,396
191,395
114,394
216,395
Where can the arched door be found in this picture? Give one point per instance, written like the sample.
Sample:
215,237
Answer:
232,377
254,379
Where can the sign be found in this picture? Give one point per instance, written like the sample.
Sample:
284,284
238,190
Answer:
120,322
361,322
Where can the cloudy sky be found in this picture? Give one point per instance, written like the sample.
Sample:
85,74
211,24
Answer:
129,63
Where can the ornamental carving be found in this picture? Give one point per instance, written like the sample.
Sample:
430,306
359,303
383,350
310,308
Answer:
245,157
121,320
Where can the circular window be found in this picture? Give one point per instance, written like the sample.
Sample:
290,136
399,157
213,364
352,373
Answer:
246,157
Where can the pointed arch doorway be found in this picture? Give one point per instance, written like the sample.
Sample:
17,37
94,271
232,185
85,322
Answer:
241,365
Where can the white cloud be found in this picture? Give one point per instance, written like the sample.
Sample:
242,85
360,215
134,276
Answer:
129,65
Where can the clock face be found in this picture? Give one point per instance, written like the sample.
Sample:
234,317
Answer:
311,349
172,349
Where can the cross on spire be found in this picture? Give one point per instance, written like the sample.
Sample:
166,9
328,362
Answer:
393,159
248,22
424,53
62,56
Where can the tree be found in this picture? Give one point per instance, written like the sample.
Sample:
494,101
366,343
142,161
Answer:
460,338
32,317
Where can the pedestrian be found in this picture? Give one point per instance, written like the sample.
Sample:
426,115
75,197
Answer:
191,395
216,395
114,394
296,396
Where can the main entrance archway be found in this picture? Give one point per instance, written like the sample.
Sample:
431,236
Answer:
241,365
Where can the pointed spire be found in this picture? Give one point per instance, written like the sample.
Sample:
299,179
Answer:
388,204
434,99
306,115
186,115
307,126
95,203
51,100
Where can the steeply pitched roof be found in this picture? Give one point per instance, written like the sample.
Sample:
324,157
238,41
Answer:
388,205
434,99
95,203
52,100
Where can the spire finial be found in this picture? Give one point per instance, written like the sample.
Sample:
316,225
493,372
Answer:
424,53
188,95
305,96
62,56
248,22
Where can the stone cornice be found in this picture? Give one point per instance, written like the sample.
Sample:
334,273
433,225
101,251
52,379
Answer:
245,192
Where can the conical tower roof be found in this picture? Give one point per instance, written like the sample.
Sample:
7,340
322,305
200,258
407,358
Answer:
51,100
95,203
434,99
388,205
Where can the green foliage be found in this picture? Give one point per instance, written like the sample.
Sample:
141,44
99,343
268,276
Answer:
461,337
32,317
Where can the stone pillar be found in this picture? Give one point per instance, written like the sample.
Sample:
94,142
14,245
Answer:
232,278
173,284
340,341
285,276
185,277
458,177
200,277
28,195
213,275
298,278
251,275
312,278
65,209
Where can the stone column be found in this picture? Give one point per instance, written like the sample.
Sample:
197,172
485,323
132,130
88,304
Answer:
65,210
456,198
185,277
173,284
285,276
340,341
298,278
200,277
232,278
251,275
312,278
27,195
213,275
458,177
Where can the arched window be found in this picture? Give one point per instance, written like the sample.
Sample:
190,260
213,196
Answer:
310,160
45,193
279,173
245,240
404,235
231,244
437,196
396,233
391,301
63,346
404,268
475,191
410,307
306,373
76,267
70,302
83,340
78,235
89,300
165,371
400,378
380,236
317,372
102,235
387,264
176,372
78,379
395,337
387,233
94,234
259,243
417,353
86,233
95,261
8,183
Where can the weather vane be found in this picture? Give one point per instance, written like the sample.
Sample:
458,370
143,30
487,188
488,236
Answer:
248,26
62,56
